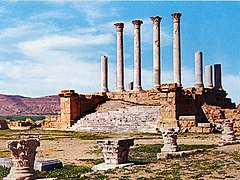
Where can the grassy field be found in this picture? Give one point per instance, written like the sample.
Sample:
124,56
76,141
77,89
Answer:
212,163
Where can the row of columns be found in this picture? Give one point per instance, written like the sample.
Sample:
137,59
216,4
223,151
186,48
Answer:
208,73
156,58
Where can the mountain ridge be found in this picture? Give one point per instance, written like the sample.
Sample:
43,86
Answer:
16,105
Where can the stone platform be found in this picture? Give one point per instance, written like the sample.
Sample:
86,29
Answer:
104,166
177,153
41,164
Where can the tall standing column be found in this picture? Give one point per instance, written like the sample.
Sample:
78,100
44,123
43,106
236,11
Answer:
198,70
120,75
104,74
137,55
208,76
217,76
176,49
156,52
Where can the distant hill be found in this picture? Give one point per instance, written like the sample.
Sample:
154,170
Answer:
14,105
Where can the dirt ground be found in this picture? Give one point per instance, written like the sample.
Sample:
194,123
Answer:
75,151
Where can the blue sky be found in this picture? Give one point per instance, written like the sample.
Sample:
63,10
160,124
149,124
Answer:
47,46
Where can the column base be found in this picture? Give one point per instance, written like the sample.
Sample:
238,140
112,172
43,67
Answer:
104,90
120,89
156,87
198,85
137,88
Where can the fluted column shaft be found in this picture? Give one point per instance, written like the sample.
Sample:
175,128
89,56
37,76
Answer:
176,49
104,74
217,76
156,52
120,69
208,76
198,70
137,55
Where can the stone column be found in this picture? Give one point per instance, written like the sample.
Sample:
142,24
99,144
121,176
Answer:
228,134
217,76
104,74
23,153
156,52
170,140
176,49
137,55
198,70
208,77
120,74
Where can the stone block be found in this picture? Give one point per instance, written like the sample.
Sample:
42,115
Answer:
40,164
204,125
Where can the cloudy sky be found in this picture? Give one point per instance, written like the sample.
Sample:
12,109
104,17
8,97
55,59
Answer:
46,46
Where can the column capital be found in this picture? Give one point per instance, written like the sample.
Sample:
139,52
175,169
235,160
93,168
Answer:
137,23
119,26
156,19
176,17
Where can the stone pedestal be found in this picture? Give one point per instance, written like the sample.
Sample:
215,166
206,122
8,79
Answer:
208,77
176,49
120,69
115,151
23,153
104,74
156,52
228,135
170,139
137,55
198,70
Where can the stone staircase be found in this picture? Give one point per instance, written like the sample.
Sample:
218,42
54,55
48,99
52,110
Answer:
128,119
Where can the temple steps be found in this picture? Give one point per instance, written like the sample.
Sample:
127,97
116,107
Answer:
128,119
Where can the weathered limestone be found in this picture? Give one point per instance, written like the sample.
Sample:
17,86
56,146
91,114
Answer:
156,52
176,49
228,135
115,151
104,74
70,106
198,70
217,76
137,55
23,153
208,77
170,139
120,70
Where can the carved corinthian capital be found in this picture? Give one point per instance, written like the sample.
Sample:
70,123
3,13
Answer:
119,26
137,23
156,19
176,17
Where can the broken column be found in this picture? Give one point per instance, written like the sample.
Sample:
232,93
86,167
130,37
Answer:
228,134
137,55
23,153
176,49
115,151
217,76
198,70
170,140
104,74
156,52
120,70
208,77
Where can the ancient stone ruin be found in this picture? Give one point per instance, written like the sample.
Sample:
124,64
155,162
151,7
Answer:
115,153
191,109
23,153
170,139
